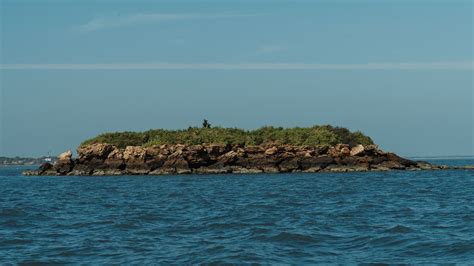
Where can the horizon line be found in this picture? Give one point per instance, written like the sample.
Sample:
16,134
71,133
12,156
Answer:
466,65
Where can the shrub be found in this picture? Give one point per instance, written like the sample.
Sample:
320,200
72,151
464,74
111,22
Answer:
316,135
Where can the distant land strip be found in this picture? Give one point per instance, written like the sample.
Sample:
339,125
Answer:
4,161
443,157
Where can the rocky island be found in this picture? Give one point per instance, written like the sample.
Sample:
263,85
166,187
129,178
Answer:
219,150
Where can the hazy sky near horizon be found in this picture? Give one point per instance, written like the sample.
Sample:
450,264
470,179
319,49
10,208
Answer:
400,71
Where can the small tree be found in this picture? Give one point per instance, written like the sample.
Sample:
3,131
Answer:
206,124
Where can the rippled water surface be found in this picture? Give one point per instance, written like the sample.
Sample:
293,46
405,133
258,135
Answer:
396,217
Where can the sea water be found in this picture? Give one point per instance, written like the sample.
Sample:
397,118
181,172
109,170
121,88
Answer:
376,217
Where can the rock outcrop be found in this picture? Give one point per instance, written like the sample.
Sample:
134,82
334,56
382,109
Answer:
65,155
105,159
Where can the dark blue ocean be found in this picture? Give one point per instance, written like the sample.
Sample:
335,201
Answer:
392,217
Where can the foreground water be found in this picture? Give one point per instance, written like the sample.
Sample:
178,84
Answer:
393,217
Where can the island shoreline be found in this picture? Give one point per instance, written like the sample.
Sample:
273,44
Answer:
102,159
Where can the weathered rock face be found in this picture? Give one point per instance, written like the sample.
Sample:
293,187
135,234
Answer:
105,159
65,155
99,151
356,150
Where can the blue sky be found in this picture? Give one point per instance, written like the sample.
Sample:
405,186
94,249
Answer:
400,71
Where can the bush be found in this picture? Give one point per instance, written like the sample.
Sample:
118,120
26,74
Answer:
316,135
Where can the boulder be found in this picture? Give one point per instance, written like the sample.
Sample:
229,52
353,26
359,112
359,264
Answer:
289,165
98,151
345,151
332,152
35,172
134,154
322,150
134,161
114,160
197,156
251,149
136,170
357,150
45,167
243,170
319,162
380,168
80,172
258,161
63,166
182,166
115,154
151,152
216,150
155,162
270,169
107,172
395,158
424,165
271,151
228,158
173,165
312,169
217,168
393,165
65,155
163,171
82,169
346,168
373,150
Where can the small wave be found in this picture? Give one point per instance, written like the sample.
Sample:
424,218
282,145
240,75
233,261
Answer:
260,230
468,217
126,225
294,237
357,242
400,229
10,212
215,248
148,218
42,262
461,248
226,225
389,241
68,253
10,223
85,224
175,195
16,242
424,248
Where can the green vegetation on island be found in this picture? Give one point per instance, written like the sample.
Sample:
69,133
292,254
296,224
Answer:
315,135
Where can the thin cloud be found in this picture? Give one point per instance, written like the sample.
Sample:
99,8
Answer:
246,66
101,23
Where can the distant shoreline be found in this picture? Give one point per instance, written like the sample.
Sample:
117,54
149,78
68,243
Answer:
26,161
441,157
